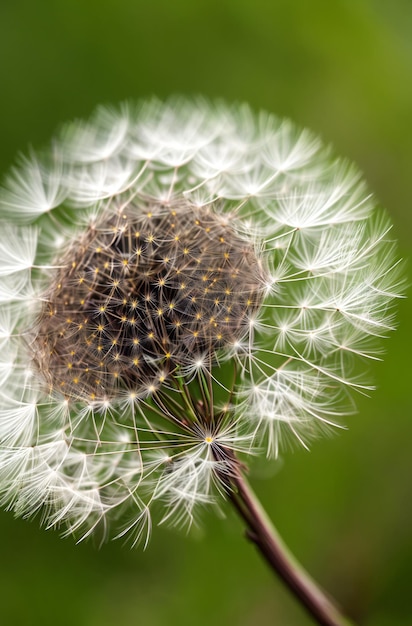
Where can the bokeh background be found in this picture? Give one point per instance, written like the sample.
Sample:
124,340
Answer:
344,69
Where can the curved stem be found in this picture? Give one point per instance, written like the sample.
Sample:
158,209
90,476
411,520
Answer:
262,533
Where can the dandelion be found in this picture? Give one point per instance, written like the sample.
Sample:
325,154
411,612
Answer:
182,285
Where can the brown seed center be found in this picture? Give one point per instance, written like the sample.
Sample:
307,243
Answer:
143,292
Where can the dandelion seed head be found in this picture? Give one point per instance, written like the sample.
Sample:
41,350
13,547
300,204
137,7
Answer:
182,284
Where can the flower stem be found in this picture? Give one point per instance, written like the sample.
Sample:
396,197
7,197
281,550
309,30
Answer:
263,534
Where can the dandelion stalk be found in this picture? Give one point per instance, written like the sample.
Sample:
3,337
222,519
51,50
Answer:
261,532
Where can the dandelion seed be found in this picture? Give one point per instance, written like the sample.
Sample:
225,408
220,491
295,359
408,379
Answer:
181,285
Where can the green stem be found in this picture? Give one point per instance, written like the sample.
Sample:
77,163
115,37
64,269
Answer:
263,534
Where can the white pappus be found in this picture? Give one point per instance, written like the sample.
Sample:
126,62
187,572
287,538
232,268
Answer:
182,284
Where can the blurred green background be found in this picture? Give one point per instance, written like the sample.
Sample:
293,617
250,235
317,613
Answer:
343,68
